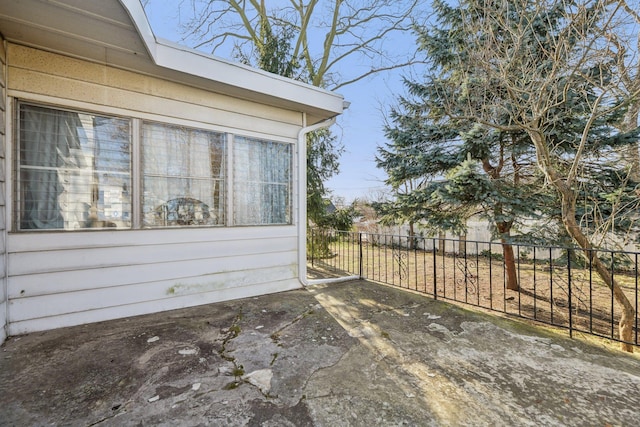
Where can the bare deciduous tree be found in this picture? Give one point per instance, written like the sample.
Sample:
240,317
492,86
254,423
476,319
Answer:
625,50
570,75
336,42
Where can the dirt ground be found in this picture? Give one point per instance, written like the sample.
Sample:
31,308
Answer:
345,354
480,280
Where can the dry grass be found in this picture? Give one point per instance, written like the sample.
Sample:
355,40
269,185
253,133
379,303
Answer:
480,281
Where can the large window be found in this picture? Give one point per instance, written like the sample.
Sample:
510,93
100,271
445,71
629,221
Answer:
262,182
73,170
184,172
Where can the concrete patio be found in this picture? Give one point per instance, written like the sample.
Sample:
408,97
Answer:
348,354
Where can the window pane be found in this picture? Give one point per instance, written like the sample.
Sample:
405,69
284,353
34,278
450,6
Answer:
183,176
73,170
262,182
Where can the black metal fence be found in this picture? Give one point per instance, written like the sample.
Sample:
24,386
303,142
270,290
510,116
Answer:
555,285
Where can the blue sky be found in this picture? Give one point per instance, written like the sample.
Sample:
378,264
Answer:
360,127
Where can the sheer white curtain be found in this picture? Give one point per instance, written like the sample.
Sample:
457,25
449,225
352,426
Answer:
262,182
183,172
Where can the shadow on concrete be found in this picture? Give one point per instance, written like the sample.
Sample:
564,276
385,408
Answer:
347,354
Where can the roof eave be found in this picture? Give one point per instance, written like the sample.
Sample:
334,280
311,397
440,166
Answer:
242,81
117,33
234,78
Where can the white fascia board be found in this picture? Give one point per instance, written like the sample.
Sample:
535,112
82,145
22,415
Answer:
175,57
139,18
189,61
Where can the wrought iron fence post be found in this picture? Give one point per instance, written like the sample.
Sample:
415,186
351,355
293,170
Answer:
569,255
312,247
435,271
636,269
360,266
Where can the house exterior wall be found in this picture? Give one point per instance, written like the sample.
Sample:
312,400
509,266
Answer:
58,279
3,142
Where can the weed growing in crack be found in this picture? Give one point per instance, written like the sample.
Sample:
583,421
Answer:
231,386
234,330
275,337
238,370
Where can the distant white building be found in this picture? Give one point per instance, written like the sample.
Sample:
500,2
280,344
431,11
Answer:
139,175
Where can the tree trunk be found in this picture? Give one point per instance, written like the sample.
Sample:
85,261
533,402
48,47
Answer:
441,243
462,245
510,266
412,237
625,326
630,153
504,228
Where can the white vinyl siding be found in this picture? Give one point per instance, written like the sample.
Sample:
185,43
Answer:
47,74
78,276
60,279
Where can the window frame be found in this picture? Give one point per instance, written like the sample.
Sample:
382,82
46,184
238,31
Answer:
136,120
290,184
16,182
143,174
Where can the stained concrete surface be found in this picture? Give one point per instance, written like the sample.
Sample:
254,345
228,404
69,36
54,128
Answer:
349,354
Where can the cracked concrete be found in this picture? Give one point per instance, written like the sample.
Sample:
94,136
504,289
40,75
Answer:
350,354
